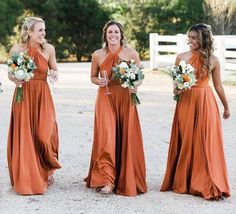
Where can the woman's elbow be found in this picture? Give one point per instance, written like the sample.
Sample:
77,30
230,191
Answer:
218,87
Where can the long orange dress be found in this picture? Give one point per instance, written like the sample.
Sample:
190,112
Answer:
33,135
117,155
196,163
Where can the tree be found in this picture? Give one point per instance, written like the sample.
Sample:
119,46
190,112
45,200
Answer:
221,15
141,17
9,11
81,23
74,27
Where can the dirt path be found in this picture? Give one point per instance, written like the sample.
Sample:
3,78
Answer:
74,100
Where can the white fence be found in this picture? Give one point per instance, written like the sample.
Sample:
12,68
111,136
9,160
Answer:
165,54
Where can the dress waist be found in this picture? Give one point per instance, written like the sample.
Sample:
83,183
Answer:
202,85
42,79
114,82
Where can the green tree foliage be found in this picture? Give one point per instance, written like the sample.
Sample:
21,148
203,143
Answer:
81,26
140,18
74,27
9,11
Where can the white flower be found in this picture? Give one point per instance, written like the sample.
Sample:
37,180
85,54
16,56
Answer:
9,61
123,65
27,77
125,85
19,61
182,64
186,85
137,83
180,85
127,74
134,70
132,61
190,67
20,74
132,76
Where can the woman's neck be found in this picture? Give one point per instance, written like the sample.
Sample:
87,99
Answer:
114,48
33,44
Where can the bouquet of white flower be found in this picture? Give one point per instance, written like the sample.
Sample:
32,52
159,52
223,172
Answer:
21,67
183,77
130,75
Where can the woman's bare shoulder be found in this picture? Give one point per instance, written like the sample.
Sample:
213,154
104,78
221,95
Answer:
130,53
18,48
130,50
49,48
214,59
99,54
100,51
184,55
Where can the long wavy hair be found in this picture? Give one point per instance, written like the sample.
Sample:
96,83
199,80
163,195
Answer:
29,24
205,41
104,35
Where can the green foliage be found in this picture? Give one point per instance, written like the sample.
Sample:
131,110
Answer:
140,18
9,11
81,26
74,27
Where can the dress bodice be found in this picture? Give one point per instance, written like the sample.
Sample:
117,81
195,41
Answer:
40,73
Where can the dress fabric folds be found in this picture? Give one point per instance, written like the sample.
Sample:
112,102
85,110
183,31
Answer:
33,134
117,155
196,163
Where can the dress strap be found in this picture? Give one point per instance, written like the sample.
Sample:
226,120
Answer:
110,61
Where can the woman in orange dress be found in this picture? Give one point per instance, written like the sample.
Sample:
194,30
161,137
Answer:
196,163
117,160
33,135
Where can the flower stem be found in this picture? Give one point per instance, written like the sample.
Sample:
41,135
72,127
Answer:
135,99
19,94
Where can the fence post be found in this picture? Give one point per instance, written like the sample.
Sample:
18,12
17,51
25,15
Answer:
153,44
220,53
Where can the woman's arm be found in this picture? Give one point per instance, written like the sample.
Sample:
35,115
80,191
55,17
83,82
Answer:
135,56
52,62
216,77
95,70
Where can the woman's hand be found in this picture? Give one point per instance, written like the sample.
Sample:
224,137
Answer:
53,75
134,90
18,82
226,114
177,91
103,82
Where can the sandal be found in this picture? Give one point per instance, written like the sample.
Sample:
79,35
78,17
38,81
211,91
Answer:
50,180
107,189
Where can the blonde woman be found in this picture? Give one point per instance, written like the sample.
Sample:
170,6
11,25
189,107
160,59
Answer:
33,135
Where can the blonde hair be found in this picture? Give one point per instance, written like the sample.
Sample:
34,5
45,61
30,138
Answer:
29,24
